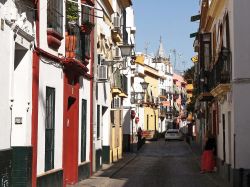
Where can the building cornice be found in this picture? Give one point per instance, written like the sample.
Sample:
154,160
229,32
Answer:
125,3
213,13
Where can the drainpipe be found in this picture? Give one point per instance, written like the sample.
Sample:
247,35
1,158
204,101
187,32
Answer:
35,93
92,92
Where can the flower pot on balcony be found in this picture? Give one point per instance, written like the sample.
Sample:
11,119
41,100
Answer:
87,27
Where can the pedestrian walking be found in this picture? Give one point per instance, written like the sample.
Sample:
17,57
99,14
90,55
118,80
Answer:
207,158
139,136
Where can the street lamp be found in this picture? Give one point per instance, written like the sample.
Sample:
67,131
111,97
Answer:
144,85
126,49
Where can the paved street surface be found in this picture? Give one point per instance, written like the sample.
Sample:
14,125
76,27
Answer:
157,164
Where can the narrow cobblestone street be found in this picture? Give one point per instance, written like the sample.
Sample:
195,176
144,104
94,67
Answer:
156,164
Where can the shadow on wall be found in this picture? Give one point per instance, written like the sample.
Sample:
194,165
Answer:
105,91
2,1
126,123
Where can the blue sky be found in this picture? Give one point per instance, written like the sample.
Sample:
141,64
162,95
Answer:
171,20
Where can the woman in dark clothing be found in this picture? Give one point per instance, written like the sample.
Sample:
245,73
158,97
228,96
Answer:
139,135
207,159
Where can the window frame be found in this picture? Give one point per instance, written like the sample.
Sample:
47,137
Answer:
49,129
55,16
84,124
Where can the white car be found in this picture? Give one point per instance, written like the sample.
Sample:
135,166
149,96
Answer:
173,134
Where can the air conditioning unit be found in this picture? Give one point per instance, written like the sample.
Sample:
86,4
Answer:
116,103
117,22
102,72
116,53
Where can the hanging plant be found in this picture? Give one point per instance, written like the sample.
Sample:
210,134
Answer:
72,12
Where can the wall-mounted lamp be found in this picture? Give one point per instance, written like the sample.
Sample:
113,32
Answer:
144,85
126,49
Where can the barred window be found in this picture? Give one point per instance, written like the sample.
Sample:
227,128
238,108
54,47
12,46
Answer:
55,15
50,128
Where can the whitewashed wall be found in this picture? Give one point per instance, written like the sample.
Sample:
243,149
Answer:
52,77
84,93
6,53
102,91
16,92
22,91
103,100
241,88
43,30
224,108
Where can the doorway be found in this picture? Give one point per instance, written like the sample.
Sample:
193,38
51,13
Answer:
70,129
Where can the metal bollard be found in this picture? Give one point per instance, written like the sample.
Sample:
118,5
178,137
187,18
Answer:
241,173
248,179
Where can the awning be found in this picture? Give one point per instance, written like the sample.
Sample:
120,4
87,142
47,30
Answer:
165,103
123,95
206,96
116,91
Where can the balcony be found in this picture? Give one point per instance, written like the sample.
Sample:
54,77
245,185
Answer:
73,45
116,31
124,86
116,84
169,89
220,77
74,51
137,97
119,84
87,24
163,94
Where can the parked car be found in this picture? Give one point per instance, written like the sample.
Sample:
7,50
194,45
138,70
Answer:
173,134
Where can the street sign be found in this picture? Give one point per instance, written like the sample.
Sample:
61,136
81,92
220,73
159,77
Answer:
194,59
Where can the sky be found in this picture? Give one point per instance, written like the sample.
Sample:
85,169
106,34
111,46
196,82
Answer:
169,19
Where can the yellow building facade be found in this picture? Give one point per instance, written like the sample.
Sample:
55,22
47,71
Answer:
151,110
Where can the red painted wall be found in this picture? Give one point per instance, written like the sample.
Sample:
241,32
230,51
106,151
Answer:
70,127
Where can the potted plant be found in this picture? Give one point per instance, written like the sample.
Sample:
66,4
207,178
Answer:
87,26
72,16
72,12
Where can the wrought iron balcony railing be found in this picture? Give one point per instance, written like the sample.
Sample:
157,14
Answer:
74,42
221,72
117,81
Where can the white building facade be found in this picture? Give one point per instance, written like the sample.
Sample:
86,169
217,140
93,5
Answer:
16,53
223,98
